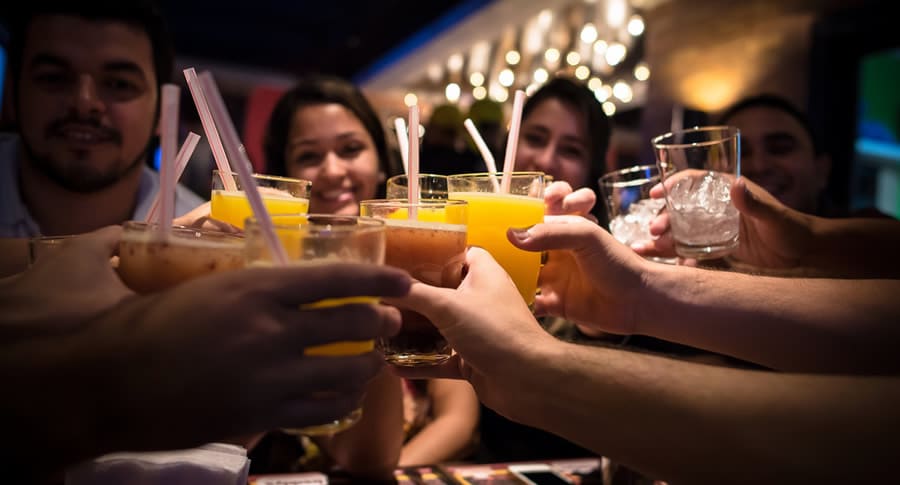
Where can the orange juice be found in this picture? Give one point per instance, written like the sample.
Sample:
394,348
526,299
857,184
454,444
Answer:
340,349
234,208
490,215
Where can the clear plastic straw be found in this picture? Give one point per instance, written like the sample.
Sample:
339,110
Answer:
209,127
509,163
485,152
402,142
242,165
412,175
181,161
169,144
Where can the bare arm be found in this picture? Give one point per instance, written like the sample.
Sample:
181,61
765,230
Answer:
792,324
455,408
801,325
691,423
371,448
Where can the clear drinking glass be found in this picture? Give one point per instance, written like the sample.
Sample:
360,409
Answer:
698,167
431,247
319,239
626,193
41,246
430,186
148,264
281,195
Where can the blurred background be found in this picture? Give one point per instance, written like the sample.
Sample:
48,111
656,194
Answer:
655,64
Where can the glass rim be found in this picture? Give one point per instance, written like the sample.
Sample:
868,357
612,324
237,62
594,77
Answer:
657,141
183,232
497,174
429,175
360,224
628,170
423,203
278,178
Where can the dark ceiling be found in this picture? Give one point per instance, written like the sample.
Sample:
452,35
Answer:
340,37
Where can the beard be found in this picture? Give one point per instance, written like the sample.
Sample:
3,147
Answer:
77,174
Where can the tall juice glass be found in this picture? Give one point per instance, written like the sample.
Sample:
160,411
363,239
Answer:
149,264
491,214
281,195
322,239
432,248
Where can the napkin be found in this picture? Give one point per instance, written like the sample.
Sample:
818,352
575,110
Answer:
211,464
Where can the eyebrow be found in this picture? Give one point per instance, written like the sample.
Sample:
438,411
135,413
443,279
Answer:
118,65
313,141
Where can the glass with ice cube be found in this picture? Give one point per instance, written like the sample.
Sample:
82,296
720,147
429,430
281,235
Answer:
628,203
699,165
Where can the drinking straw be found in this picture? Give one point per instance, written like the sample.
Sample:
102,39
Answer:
209,127
485,152
181,161
402,142
509,162
412,175
242,165
169,144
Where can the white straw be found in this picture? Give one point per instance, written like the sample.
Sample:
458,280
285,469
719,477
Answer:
209,127
169,144
485,152
402,142
181,161
509,163
412,176
242,165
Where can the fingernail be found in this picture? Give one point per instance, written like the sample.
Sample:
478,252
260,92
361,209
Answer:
521,234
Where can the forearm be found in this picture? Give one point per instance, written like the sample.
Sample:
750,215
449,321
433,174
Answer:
455,410
371,448
855,248
690,423
805,325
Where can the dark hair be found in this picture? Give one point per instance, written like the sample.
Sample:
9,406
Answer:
775,102
143,14
317,90
579,97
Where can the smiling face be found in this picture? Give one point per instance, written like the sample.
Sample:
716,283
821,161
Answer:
87,100
778,154
553,140
328,145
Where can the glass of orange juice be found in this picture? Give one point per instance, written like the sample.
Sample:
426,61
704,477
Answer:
321,239
281,195
492,213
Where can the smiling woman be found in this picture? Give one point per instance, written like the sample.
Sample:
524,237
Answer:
325,131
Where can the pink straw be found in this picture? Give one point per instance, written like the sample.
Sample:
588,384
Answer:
509,163
485,152
402,142
412,175
169,144
242,164
209,127
181,161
